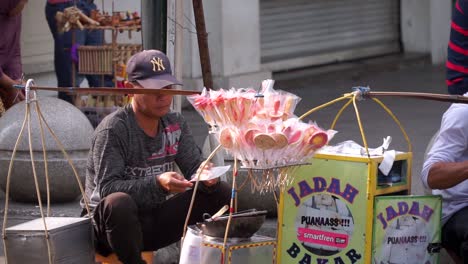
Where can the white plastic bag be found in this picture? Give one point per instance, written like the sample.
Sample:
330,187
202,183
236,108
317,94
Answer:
191,247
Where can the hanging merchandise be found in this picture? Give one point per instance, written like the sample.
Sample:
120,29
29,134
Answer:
73,17
260,130
107,60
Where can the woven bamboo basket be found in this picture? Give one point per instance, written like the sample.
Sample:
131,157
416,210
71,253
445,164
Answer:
100,60
96,107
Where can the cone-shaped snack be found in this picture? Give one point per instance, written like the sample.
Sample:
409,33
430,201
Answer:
249,136
227,138
271,128
245,109
308,132
290,103
232,110
318,139
201,104
280,139
264,141
293,135
219,105
259,108
276,114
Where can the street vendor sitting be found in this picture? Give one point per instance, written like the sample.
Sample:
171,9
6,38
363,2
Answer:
131,169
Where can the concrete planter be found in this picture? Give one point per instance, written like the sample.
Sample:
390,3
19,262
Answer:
73,130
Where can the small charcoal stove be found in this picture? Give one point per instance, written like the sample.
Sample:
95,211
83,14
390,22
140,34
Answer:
242,246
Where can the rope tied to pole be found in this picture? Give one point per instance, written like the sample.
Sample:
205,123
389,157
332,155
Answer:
31,97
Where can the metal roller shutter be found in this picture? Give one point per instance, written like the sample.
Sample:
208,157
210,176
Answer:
299,33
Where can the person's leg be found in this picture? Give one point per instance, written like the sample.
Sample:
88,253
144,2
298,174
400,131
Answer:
455,234
117,228
50,11
69,66
62,44
166,224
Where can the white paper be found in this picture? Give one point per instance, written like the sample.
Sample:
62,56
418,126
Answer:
213,173
387,162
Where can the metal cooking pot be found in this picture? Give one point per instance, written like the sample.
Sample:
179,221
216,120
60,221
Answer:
243,224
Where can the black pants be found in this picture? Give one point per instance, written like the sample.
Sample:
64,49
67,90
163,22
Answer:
122,228
455,234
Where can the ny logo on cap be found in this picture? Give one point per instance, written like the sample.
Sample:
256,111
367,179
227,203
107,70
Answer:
158,63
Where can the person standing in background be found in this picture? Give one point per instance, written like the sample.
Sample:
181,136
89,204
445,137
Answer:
457,52
63,43
10,51
445,169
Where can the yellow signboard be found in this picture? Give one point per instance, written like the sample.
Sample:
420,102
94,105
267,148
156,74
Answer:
326,213
405,227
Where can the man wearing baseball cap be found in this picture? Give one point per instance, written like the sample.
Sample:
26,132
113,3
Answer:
132,169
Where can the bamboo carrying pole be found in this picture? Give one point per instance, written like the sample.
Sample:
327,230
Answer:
107,90
428,96
110,90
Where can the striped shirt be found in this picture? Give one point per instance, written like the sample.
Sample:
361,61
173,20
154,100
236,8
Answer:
457,55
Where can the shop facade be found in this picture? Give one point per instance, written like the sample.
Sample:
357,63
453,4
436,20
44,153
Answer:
250,39
301,33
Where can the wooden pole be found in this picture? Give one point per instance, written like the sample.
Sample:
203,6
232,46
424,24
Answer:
203,43
178,49
449,98
111,90
73,64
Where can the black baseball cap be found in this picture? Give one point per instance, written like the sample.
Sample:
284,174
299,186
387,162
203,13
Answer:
151,69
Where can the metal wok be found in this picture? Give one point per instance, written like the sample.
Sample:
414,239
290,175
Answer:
243,224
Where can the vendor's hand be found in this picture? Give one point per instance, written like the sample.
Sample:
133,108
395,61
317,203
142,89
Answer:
19,94
173,182
211,182
208,166
16,95
18,8
206,169
10,96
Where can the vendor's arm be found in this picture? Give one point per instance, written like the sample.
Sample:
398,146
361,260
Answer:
8,94
18,8
189,157
444,175
5,81
109,155
173,182
446,164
